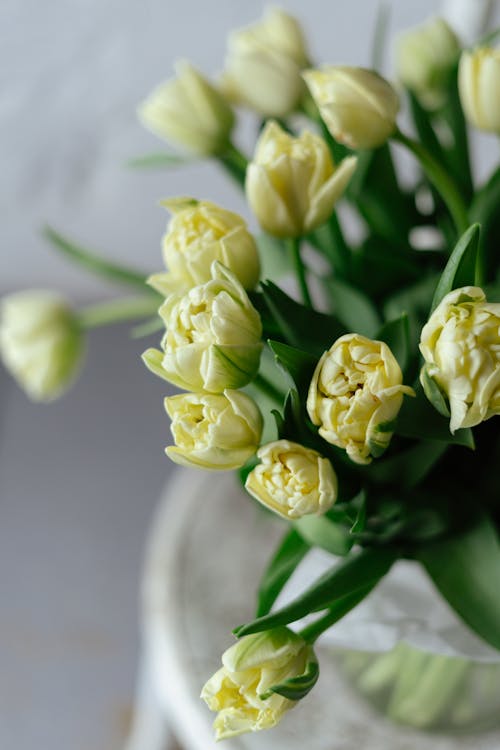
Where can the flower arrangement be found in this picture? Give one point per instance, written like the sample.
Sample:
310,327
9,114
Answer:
361,413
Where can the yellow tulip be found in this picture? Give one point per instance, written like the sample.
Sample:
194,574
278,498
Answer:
188,111
199,233
41,342
424,58
292,481
479,87
263,65
460,344
213,431
355,395
213,336
292,184
358,106
242,690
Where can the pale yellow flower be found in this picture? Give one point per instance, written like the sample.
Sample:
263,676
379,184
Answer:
199,233
41,342
292,480
292,184
213,431
213,336
358,106
424,58
479,87
263,65
460,344
355,395
241,691
188,111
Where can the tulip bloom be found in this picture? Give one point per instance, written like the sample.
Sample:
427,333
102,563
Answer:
41,342
359,107
460,344
188,111
479,87
263,65
213,431
355,395
292,481
198,234
213,336
424,59
244,691
292,184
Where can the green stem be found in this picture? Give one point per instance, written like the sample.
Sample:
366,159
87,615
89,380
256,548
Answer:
97,264
439,177
313,631
116,311
299,268
234,162
267,388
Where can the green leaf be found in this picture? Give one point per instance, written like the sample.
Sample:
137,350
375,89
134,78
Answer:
297,364
461,267
408,468
434,393
354,309
396,334
289,554
344,586
300,326
320,531
419,420
466,570
159,160
296,688
274,259
96,264
359,504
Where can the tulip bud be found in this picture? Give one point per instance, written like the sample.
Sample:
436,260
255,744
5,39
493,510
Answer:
263,65
424,59
190,112
460,344
479,87
358,106
213,337
263,676
292,183
41,343
292,480
199,233
355,396
213,431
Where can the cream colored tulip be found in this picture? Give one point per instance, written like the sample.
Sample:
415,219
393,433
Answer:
188,111
479,87
424,58
292,481
292,184
213,336
355,395
358,106
41,342
460,344
213,431
241,691
263,65
199,233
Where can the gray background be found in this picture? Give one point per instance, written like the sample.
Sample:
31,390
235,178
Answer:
79,479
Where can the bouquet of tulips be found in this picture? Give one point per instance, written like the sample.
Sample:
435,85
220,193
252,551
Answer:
357,406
